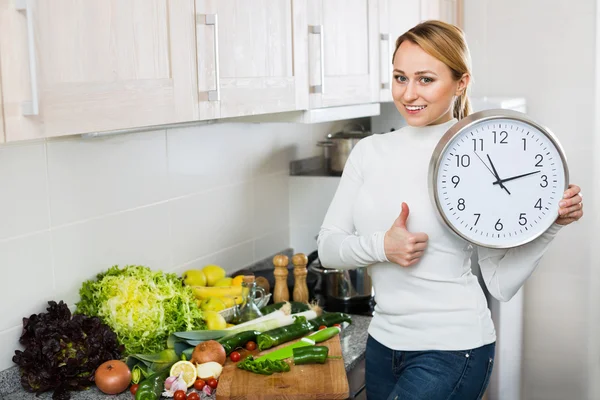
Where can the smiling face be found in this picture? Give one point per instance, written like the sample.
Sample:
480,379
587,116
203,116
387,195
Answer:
424,88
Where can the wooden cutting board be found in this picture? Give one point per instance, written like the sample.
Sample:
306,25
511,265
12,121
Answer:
302,382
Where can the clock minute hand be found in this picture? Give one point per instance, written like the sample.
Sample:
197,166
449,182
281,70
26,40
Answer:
501,181
496,173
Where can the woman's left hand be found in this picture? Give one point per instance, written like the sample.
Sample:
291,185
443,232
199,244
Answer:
571,206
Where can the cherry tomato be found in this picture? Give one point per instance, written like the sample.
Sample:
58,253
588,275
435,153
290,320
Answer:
250,346
179,395
193,396
212,382
133,389
199,384
235,356
338,325
322,327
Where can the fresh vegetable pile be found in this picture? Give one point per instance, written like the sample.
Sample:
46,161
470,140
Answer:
142,306
63,351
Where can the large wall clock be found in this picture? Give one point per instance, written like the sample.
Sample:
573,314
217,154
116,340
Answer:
496,178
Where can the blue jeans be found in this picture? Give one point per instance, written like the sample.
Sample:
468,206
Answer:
427,375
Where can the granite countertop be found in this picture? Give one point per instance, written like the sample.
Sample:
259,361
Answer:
353,341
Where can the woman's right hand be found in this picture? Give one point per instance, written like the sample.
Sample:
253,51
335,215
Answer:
401,246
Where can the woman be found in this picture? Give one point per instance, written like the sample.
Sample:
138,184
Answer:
432,336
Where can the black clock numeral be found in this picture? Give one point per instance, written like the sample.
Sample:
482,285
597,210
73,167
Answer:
503,136
544,182
524,144
539,163
463,161
475,144
461,204
456,180
477,220
522,219
499,225
538,204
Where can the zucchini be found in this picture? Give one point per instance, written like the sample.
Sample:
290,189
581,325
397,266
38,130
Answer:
277,336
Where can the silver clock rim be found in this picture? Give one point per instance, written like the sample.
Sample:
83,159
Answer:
465,124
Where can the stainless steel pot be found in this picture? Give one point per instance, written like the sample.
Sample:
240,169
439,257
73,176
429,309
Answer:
337,147
345,284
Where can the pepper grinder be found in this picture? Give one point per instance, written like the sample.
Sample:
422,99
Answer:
300,289
280,292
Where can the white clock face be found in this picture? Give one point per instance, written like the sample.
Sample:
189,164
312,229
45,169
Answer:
499,182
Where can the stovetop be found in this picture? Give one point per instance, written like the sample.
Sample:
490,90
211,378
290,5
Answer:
363,307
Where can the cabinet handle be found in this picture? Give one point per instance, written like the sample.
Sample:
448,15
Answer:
215,95
318,30
385,37
30,107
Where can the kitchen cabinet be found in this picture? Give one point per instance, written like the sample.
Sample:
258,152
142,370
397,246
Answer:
251,57
446,10
74,66
342,52
395,18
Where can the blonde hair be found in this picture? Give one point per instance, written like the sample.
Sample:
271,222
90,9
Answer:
447,43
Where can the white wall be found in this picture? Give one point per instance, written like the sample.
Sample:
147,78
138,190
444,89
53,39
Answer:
545,52
169,199
594,283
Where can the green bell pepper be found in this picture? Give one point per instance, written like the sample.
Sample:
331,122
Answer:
152,387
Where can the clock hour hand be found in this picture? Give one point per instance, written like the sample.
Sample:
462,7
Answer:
496,174
501,181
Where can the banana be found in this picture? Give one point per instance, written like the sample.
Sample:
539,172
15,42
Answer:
202,292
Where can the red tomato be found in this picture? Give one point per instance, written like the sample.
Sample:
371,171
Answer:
235,356
193,396
179,395
322,327
133,389
212,382
250,346
338,325
199,384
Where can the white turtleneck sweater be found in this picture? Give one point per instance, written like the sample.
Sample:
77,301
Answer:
436,304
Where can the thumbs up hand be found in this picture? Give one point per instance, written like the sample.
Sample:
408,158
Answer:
401,246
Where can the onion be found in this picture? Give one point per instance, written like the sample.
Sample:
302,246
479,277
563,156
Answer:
112,377
209,369
211,350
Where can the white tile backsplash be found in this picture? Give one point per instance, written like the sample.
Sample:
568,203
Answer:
271,207
81,250
208,156
94,177
23,189
215,219
9,342
27,277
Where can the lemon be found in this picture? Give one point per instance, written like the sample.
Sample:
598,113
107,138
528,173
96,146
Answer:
194,277
228,301
213,304
213,273
237,281
224,282
214,321
188,369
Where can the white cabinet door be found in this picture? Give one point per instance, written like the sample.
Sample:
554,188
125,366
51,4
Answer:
96,65
251,57
446,10
395,18
343,42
